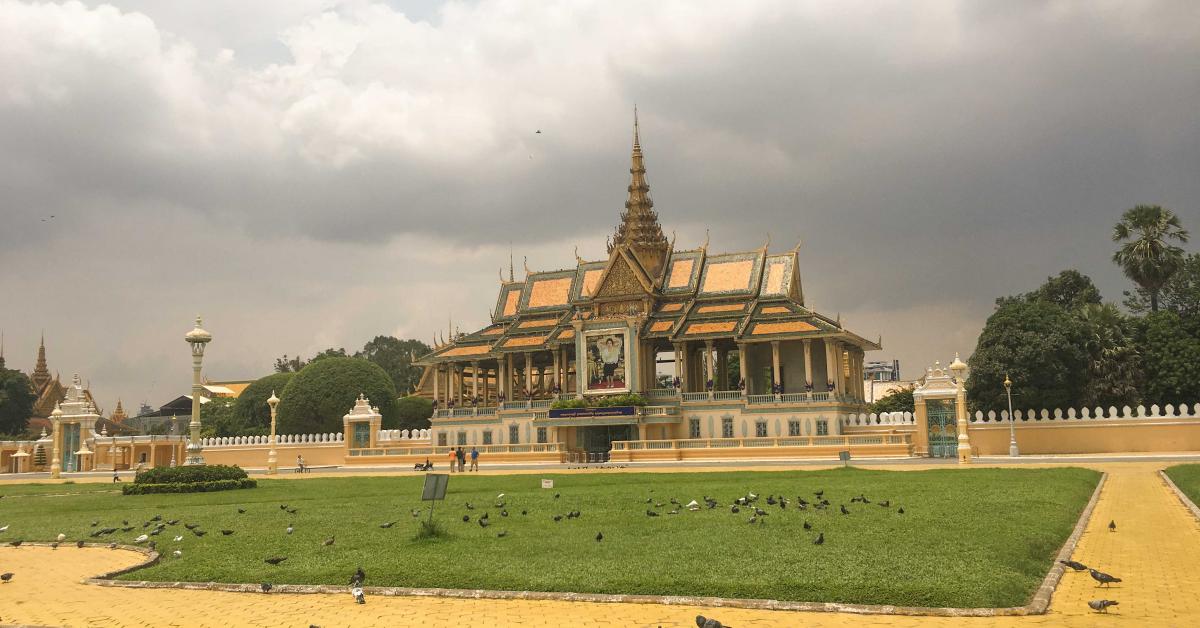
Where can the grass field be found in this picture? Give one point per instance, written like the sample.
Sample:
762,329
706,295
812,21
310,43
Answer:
1187,478
968,538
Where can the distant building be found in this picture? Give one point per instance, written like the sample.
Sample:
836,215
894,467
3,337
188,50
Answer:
229,389
882,371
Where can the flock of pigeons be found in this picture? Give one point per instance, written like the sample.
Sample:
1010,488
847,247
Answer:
748,502
1104,580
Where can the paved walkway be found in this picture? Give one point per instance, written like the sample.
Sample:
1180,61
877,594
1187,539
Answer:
1156,550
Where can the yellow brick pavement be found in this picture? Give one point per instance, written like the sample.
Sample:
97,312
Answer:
1156,550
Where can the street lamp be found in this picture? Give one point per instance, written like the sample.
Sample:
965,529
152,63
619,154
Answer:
1012,425
197,338
272,463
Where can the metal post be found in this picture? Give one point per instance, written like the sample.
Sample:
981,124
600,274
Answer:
272,462
1012,425
197,338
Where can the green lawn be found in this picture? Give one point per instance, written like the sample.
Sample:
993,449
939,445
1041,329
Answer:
1187,478
969,538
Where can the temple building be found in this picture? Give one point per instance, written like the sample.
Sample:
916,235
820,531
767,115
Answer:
706,345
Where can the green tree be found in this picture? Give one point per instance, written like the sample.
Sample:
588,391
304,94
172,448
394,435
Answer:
322,392
395,357
251,407
285,364
414,412
1070,290
217,418
897,400
1114,364
1170,358
16,401
1180,294
1146,256
1040,346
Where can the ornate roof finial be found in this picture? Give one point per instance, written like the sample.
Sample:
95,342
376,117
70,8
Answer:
796,249
41,373
766,247
639,228
578,260
510,262
705,245
525,261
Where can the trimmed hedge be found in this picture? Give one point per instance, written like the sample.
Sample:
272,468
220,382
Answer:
188,487
190,474
628,399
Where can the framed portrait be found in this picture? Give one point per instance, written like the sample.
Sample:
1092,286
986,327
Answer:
607,362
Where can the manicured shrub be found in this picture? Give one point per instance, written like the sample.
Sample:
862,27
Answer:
189,474
188,487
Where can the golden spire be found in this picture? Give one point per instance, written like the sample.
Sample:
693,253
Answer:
639,226
41,373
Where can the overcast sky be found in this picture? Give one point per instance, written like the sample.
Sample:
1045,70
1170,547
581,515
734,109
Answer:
312,173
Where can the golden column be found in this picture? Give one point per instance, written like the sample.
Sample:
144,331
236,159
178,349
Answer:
197,338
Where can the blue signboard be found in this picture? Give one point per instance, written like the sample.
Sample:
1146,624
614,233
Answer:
591,413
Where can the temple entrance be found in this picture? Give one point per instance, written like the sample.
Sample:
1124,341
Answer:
943,433
599,438
70,444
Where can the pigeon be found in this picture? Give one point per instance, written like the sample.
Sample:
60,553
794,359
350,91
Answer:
501,534
651,513
178,538
327,542
734,509
7,577
599,536
79,544
844,511
156,518
415,513
469,506
1077,566
112,545
820,539
500,496
199,532
807,525
177,553
291,511
54,545
176,521
275,560
125,529
558,518
156,531
753,518
1112,526
226,532
266,587
94,524
16,543
705,622
901,511
503,513
820,494
556,496
466,518
483,522
357,592
387,525
191,526
291,528
1101,606
358,577
60,538
886,503
153,546
770,500
242,511
1103,578
283,506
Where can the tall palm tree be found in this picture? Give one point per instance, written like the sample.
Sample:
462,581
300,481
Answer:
1147,256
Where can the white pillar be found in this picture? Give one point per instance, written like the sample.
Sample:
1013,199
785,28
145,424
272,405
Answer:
775,364
743,367
808,374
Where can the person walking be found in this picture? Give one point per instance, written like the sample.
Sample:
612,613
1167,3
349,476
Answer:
453,459
474,459
462,460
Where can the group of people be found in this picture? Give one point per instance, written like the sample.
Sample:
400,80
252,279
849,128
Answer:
459,457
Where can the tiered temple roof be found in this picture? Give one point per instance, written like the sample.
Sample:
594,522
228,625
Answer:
678,295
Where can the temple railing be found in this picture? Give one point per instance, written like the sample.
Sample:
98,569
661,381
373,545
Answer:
662,393
443,450
1112,413
727,395
784,441
694,396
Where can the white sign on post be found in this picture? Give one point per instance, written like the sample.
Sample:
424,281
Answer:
547,483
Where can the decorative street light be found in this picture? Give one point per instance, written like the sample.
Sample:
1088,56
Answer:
272,463
197,338
1012,425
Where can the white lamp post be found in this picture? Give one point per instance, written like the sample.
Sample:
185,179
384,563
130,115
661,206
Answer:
1012,425
197,338
272,463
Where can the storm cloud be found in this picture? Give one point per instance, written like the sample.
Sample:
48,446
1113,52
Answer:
312,173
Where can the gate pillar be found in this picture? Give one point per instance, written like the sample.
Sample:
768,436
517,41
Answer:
943,387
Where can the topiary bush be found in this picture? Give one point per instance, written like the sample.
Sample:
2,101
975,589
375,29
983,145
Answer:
315,400
628,399
251,409
189,474
187,487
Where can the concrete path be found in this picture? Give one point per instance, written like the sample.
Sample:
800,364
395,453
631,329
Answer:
1156,550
